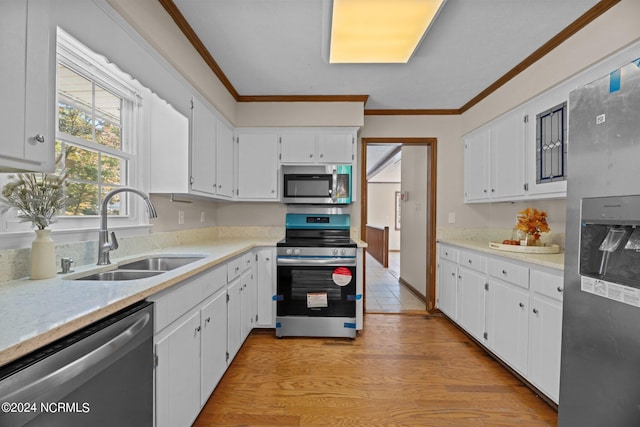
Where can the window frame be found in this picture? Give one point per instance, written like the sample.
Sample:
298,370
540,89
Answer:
82,60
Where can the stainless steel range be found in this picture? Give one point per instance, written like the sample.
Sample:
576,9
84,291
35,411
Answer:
317,289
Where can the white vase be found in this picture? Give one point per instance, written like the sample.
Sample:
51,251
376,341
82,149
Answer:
43,256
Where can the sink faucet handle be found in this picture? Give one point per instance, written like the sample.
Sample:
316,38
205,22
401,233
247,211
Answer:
65,264
114,241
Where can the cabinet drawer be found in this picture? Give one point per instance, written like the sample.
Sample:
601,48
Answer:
473,260
548,284
247,260
234,268
447,252
509,272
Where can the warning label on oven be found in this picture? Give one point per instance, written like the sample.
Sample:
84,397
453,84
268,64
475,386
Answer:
342,276
317,300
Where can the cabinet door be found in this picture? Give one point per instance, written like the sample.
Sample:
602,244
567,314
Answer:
448,277
234,318
178,374
224,161
476,166
249,303
27,70
266,284
508,323
203,146
298,148
545,344
258,167
507,156
213,316
335,148
470,302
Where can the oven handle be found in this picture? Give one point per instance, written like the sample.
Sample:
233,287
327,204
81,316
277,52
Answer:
337,262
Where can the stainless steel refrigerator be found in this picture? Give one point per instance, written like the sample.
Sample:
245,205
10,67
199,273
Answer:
600,368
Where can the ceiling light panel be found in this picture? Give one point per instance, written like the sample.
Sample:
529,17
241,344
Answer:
379,31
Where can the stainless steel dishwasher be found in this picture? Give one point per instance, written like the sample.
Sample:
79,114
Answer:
101,375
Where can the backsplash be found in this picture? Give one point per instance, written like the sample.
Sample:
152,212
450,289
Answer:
15,263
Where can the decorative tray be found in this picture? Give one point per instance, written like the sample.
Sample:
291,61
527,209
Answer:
546,249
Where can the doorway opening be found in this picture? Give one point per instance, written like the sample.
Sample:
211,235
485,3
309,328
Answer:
398,182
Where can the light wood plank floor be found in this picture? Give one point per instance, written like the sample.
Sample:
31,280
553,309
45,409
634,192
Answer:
403,370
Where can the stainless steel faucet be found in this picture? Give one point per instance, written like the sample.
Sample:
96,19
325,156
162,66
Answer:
104,246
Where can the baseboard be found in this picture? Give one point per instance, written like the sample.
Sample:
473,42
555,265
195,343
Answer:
413,290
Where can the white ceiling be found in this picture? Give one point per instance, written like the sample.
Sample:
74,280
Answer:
279,47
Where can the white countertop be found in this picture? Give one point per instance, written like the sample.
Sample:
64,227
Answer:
547,260
37,312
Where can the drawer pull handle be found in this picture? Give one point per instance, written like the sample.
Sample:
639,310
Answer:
560,289
504,272
470,262
535,311
446,253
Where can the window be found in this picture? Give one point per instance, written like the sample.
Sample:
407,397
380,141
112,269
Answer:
92,140
551,144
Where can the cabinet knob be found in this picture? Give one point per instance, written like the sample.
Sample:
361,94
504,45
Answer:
446,253
273,191
521,305
484,191
453,274
493,191
310,156
560,289
535,310
459,276
219,185
504,272
39,138
321,155
198,329
470,262
207,320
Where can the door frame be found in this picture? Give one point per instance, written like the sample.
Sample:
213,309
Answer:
430,261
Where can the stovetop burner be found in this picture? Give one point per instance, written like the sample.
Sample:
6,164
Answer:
313,230
290,242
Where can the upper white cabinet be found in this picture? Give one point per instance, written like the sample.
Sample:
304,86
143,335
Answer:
203,148
317,146
494,160
257,166
27,121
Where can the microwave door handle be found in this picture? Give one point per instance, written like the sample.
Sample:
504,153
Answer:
334,187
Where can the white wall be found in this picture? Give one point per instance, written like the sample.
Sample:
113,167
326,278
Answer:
413,247
381,209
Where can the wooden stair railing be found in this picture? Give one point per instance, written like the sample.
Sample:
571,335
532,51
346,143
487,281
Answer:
377,239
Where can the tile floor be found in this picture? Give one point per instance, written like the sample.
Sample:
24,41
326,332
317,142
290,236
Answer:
384,293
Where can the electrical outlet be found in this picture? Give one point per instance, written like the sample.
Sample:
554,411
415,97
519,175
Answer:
452,217
180,217
202,216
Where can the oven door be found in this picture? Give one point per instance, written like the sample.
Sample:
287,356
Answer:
316,288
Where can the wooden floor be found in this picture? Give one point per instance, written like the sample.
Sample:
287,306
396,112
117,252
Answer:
403,370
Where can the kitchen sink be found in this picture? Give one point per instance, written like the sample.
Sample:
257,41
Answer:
120,275
160,263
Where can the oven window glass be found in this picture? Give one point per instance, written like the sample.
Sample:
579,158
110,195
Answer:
316,291
312,186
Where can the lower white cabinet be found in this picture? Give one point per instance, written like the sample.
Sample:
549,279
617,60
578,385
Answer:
178,373
213,318
513,308
199,326
508,323
470,301
266,287
545,332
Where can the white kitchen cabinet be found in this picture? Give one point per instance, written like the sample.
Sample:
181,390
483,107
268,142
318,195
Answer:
476,165
225,160
178,373
336,148
470,301
234,318
28,75
213,317
448,275
257,172
507,328
315,146
494,160
266,287
203,148
511,307
298,148
545,334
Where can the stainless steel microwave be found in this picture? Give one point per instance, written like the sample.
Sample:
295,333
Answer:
317,184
